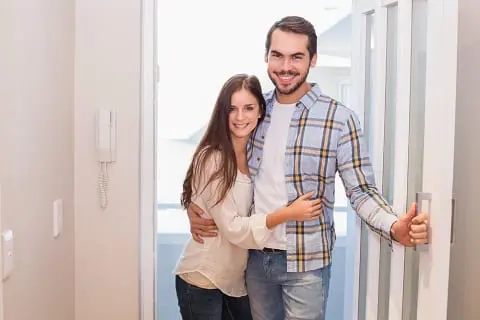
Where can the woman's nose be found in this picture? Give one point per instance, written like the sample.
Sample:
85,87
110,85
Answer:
239,115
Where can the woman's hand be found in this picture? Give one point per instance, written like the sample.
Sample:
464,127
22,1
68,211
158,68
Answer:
305,209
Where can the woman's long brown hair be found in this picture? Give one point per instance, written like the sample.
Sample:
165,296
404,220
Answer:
218,138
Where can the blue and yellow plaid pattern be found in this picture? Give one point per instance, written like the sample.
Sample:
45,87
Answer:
324,138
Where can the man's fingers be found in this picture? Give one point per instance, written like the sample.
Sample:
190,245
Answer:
419,241
318,207
197,238
204,228
205,234
194,209
202,222
418,235
418,228
421,218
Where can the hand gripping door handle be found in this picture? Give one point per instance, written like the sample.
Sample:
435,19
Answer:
420,197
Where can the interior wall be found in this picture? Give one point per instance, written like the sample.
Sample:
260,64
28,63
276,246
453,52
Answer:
36,155
108,52
464,286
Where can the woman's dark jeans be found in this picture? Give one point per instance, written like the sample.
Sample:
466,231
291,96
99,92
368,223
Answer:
209,304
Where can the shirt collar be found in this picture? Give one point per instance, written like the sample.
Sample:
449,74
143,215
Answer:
308,100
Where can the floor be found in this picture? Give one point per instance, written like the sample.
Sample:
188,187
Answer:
170,246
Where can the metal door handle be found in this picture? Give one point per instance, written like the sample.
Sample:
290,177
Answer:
452,225
419,198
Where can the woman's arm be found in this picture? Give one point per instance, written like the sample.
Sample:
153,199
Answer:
278,217
302,209
250,232
245,232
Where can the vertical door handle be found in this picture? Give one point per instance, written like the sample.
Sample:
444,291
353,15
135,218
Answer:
420,197
452,225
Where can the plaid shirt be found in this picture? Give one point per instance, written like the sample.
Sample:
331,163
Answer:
324,137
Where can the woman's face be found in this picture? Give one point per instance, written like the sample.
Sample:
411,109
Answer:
244,114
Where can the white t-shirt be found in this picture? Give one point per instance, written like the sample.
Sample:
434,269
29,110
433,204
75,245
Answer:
270,188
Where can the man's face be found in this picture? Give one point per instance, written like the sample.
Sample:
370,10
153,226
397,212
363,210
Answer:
289,61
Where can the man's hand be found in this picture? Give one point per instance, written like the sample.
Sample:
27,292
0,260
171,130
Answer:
411,229
200,227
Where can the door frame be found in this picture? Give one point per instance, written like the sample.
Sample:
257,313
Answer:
148,159
148,174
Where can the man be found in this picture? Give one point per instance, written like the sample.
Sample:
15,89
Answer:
305,139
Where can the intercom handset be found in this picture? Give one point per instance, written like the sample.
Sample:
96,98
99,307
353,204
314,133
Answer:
106,127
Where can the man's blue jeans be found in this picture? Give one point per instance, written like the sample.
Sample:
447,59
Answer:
277,295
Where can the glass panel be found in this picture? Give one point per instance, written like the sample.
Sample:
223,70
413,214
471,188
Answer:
195,58
368,122
415,145
369,78
388,152
390,103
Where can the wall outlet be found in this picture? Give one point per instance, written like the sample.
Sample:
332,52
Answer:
7,253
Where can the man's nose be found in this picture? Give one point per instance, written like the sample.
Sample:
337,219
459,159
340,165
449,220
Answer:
287,64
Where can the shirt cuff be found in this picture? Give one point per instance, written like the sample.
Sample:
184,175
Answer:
388,219
260,232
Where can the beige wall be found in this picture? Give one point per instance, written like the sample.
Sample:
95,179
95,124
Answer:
107,70
41,48
36,157
464,287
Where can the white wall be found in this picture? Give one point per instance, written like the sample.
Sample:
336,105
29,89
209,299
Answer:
36,154
329,79
464,287
107,43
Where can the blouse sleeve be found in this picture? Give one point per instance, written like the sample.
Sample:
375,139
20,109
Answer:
245,232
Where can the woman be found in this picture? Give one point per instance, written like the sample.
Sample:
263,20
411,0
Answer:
210,280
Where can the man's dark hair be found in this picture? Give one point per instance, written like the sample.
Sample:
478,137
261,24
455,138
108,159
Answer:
296,25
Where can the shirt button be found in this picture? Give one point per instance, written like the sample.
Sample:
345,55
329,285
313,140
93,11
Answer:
263,137
258,159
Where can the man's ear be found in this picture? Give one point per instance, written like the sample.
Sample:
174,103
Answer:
313,61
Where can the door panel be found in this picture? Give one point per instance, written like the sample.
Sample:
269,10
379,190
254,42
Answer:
409,130
440,102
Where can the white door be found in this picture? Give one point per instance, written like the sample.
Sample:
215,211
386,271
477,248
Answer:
404,62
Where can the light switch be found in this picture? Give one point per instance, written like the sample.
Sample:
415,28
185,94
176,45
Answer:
57,217
8,253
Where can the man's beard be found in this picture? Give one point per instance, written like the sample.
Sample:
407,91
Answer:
295,86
